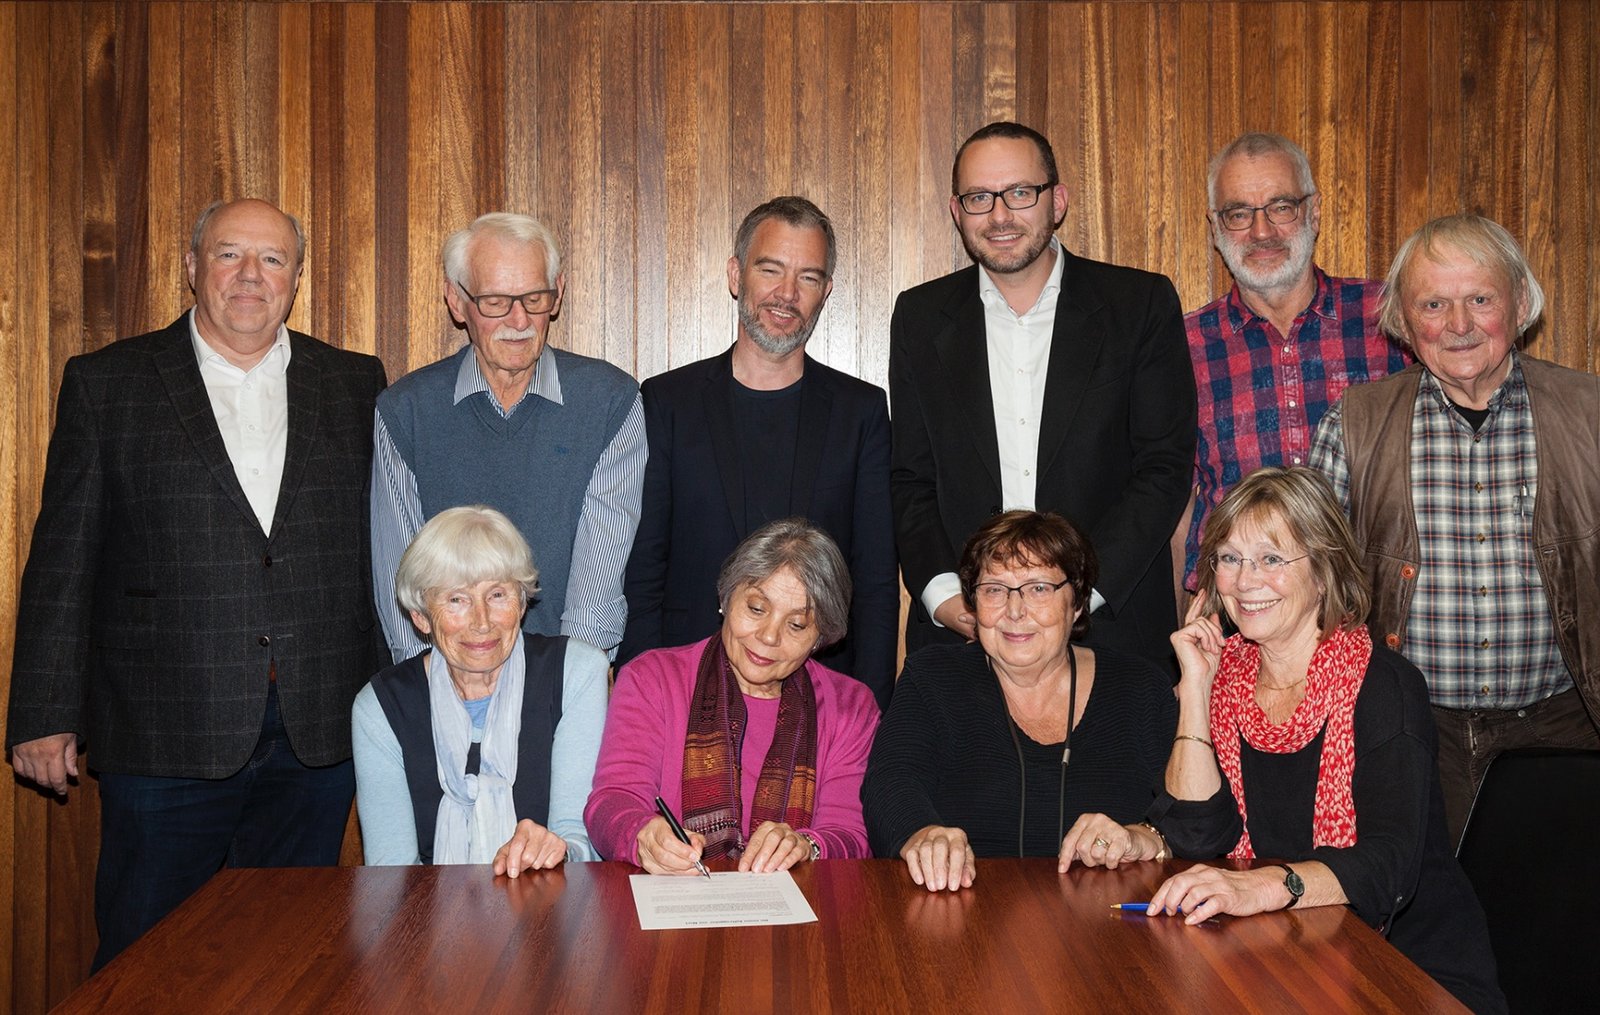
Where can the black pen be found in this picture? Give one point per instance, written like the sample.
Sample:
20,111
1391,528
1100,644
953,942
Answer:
677,829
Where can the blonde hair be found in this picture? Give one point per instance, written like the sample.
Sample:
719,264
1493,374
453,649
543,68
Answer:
464,546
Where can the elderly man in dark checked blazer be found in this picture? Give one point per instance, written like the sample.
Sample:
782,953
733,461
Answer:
196,609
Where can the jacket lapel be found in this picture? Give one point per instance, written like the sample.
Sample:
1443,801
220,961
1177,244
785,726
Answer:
1075,344
305,410
816,406
724,441
180,374
962,351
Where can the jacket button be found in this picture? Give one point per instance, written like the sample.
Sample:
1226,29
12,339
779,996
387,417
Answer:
266,561
1392,640
263,641
1408,572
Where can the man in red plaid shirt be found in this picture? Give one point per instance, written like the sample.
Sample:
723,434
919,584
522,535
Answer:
1281,346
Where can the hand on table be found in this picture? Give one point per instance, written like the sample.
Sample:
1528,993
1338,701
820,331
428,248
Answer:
952,613
1095,840
939,858
48,761
1202,892
532,847
660,852
774,846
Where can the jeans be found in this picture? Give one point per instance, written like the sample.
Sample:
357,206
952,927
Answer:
1471,738
162,838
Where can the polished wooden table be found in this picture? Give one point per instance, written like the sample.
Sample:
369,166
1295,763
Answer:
456,939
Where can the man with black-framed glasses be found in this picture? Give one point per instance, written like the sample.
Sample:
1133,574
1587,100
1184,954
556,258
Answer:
1038,379
1284,342
552,439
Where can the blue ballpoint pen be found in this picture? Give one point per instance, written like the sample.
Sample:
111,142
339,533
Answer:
677,829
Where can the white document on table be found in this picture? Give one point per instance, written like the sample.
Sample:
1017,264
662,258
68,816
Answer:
725,899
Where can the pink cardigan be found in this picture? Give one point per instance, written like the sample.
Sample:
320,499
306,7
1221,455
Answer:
641,753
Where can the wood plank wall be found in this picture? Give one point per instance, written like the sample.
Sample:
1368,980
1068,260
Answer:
642,132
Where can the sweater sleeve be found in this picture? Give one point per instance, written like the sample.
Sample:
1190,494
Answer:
576,744
897,793
383,801
627,775
1393,778
850,720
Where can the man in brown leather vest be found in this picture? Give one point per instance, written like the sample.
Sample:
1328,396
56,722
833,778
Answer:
1471,483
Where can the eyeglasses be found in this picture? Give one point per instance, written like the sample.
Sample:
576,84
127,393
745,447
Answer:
497,305
997,594
981,202
1279,212
1231,564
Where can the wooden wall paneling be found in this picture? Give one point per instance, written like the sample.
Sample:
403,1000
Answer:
283,153
1413,99
841,330
1577,316
1258,77
1067,105
1446,100
131,170
1539,137
431,334
1129,172
1000,27
1344,252
716,163
392,192
1382,84
874,186
1191,155
468,110
1096,118
1164,228
1289,42
1227,117
939,136
170,204
13,392
582,211
98,165
910,178
30,359
1033,68
674,339
618,216
647,338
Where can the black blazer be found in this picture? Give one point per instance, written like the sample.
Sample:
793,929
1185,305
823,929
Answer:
1116,441
693,512
152,603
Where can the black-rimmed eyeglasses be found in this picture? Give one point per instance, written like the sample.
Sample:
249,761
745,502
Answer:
1280,212
997,594
981,202
496,305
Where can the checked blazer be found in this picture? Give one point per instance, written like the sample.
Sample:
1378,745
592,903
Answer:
153,606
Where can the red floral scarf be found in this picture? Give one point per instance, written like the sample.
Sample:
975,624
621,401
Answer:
1332,682
787,788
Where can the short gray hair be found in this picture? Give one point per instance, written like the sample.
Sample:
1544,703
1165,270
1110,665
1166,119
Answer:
795,211
1485,241
506,225
464,546
198,232
1254,145
814,558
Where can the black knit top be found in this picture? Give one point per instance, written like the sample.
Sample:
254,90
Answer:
945,755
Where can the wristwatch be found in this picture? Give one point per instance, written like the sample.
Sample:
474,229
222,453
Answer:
816,847
1292,881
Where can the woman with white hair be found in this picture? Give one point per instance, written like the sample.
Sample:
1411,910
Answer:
481,748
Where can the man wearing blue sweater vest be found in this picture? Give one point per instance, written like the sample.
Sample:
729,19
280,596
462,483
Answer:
552,439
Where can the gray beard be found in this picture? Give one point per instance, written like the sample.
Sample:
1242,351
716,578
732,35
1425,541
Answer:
1281,279
766,341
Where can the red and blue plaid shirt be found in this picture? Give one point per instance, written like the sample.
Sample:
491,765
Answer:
1261,396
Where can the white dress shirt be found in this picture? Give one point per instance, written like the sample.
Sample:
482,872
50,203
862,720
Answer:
252,410
1018,347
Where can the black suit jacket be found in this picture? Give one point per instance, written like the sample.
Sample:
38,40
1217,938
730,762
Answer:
1116,440
152,603
693,513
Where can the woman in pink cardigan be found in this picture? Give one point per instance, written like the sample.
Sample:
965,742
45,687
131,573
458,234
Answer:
760,750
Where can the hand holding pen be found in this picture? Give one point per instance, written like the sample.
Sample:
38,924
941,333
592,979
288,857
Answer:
666,848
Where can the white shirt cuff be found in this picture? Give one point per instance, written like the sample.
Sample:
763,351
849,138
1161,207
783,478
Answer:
942,587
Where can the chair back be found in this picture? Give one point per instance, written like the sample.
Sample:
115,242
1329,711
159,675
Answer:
1529,850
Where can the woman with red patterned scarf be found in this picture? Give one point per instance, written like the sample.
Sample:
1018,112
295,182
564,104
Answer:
758,747
1299,739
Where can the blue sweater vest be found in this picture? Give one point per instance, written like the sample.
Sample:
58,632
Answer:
533,467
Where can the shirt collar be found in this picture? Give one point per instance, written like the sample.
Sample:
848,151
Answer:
1324,301
546,381
990,293
276,359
